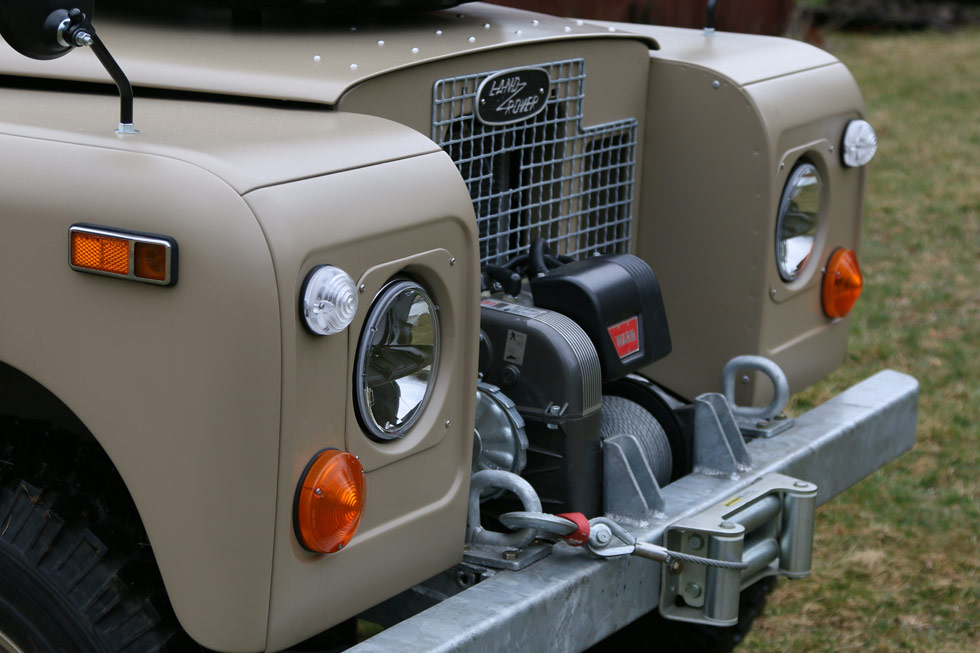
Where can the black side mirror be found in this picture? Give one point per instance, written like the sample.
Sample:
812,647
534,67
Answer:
33,27
48,29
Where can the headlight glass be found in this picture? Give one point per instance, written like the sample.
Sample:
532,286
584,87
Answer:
397,359
796,225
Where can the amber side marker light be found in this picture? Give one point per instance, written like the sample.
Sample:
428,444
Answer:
136,256
329,501
842,282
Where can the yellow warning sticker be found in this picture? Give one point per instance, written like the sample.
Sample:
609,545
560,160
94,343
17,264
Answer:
732,502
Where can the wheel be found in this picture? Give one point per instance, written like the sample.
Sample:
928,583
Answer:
75,574
682,636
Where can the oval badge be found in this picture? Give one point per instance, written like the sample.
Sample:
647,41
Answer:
512,96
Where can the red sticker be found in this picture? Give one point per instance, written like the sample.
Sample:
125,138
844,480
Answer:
626,337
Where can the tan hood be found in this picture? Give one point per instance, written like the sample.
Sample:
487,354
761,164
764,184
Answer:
306,62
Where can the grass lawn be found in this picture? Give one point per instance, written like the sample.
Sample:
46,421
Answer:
897,558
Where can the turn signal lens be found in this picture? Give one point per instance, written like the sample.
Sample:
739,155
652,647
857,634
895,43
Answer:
329,501
123,254
98,252
150,261
842,283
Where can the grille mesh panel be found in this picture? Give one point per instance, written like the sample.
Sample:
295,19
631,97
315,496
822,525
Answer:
547,176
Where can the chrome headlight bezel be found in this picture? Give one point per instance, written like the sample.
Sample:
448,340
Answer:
377,326
797,223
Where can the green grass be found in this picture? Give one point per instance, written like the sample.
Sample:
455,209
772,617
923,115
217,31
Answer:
897,557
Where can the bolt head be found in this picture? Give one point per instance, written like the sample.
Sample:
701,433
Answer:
510,555
695,542
762,424
727,525
602,535
693,590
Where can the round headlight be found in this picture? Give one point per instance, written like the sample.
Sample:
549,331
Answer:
329,300
859,144
397,360
796,224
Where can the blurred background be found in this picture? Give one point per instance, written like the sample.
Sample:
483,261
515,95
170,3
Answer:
897,558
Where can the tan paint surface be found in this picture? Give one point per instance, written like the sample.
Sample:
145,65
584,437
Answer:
184,386
712,183
312,62
614,87
417,487
180,385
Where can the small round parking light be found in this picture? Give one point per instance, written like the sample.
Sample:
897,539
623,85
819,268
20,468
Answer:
329,501
859,144
842,283
329,300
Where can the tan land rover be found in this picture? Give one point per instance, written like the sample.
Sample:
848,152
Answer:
470,322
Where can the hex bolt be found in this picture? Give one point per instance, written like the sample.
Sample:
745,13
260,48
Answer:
801,484
693,590
509,555
762,424
695,542
782,417
601,534
727,525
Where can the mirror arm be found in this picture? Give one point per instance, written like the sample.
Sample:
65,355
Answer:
81,33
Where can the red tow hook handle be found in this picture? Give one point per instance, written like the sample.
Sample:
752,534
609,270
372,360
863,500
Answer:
581,534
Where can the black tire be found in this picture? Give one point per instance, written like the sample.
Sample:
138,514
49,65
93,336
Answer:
670,635
75,574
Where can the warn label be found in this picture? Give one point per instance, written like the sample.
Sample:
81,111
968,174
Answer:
512,95
626,337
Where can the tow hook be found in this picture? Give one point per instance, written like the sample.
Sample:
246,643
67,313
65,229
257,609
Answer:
765,530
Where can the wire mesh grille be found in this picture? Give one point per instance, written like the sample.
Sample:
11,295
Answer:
547,176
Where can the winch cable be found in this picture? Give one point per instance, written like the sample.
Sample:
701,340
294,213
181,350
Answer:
605,538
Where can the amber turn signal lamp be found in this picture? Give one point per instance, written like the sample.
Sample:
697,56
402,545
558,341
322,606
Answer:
100,253
132,255
842,283
329,501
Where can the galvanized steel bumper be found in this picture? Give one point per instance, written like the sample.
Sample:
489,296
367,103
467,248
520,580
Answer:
570,600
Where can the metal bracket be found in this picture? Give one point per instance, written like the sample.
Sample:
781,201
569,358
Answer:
768,526
494,549
718,444
758,422
630,487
